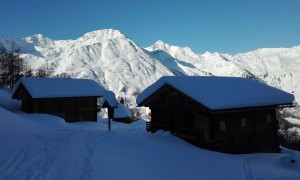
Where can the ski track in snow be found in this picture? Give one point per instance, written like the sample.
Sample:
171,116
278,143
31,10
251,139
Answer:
54,158
247,168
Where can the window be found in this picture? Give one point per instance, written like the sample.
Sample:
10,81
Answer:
269,118
243,122
222,125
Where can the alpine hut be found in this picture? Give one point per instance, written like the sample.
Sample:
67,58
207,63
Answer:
225,114
122,114
72,99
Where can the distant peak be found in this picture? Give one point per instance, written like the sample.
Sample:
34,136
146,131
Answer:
38,39
209,54
160,42
159,45
103,34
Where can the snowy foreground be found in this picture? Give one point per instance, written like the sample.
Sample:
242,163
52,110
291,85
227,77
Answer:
37,146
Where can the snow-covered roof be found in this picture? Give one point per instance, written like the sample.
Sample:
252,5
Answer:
64,87
222,92
110,98
122,112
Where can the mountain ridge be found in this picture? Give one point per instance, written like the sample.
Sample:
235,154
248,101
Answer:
115,61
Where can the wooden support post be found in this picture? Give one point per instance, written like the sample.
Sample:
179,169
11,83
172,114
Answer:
110,115
109,123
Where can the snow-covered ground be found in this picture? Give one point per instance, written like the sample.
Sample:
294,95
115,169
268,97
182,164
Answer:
37,146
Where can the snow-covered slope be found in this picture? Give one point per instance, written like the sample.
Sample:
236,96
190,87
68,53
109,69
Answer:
44,147
120,65
279,67
182,60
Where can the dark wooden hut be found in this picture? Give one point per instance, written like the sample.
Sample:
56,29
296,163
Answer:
72,99
225,114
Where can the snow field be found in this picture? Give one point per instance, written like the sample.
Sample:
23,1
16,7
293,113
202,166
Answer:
37,146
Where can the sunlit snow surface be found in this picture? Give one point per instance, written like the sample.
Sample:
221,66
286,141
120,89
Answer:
38,146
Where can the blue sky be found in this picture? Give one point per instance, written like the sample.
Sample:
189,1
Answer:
227,26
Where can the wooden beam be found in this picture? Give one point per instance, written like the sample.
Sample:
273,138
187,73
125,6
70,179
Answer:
110,115
109,124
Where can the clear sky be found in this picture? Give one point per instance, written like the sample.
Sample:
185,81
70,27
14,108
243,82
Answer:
227,26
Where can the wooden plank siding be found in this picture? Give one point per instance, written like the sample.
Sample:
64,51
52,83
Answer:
245,130
71,109
257,134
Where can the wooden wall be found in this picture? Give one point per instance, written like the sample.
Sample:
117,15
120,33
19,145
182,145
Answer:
175,112
257,132
71,109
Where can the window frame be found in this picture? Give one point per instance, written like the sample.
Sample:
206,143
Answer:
268,118
243,122
222,126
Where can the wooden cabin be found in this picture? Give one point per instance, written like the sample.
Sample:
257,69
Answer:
72,99
225,114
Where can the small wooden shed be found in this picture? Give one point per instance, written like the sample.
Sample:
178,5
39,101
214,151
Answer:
122,114
72,99
226,114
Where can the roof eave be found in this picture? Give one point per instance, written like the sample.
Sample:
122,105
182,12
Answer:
287,105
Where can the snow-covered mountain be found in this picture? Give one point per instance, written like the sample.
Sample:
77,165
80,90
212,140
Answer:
115,61
106,56
184,61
